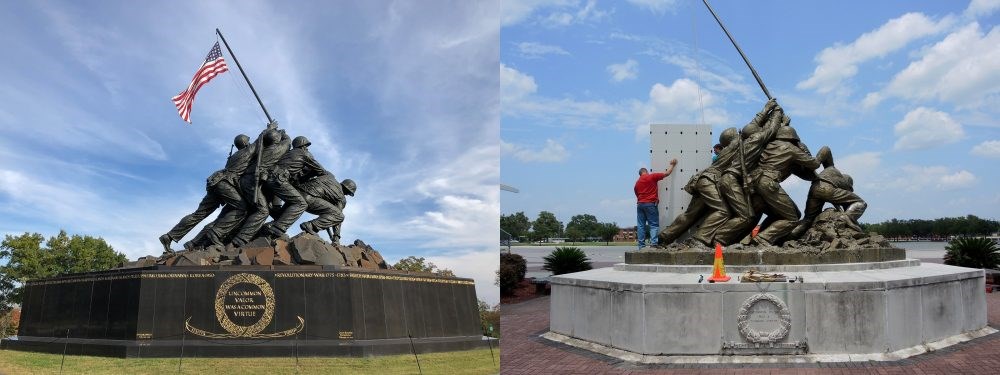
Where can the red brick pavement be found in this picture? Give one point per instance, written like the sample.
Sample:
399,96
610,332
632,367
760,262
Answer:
524,352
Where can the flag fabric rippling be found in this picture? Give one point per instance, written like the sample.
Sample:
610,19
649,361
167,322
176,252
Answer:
214,65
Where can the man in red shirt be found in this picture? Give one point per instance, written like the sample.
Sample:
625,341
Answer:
646,213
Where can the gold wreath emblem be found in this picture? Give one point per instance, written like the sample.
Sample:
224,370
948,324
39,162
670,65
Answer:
239,331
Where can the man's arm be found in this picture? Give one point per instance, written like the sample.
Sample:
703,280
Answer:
670,169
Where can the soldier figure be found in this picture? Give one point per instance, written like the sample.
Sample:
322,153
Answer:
705,198
257,195
221,188
776,164
834,187
326,199
295,165
754,138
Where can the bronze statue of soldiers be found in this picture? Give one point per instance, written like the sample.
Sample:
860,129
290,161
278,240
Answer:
325,198
776,164
257,195
705,198
221,188
834,187
295,165
756,135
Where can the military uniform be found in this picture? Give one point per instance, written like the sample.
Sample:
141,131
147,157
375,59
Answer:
324,198
776,164
297,164
221,188
258,198
731,182
834,187
705,198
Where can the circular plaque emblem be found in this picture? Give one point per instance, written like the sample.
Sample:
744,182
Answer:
764,319
244,305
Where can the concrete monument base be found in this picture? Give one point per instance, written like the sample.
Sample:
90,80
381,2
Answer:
838,312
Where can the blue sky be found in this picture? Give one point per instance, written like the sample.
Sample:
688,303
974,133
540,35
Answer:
905,93
402,97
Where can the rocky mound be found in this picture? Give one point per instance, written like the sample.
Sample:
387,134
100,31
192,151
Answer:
303,249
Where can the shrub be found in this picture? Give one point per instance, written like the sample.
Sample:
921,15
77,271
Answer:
512,270
566,260
972,252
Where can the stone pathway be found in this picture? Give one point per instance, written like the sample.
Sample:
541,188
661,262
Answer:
524,352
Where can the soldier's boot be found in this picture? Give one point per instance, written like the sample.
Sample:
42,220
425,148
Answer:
760,241
273,231
800,229
214,239
239,242
308,227
855,210
166,240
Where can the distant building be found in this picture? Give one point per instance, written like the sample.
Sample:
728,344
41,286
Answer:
625,234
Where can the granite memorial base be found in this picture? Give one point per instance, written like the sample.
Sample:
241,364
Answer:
837,312
223,311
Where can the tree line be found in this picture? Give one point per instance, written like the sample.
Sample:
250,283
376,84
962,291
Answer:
546,225
970,225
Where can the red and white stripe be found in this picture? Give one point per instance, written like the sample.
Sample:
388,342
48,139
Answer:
185,99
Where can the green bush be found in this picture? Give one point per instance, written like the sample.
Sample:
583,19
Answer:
566,260
972,252
512,270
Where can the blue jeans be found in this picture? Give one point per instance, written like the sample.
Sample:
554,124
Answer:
649,219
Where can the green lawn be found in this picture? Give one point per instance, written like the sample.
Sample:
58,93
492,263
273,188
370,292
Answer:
462,362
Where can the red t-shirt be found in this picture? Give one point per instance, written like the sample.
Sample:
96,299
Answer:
645,187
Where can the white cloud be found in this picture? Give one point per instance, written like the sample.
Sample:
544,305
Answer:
514,85
924,128
840,61
534,50
626,70
552,152
656,6
715,76
516,11
990,149
979,8
961,69
684,101
587,13
860,165
957,180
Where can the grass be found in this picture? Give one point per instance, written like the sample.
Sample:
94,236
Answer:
461,362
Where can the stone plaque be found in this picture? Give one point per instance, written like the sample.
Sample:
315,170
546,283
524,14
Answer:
764,319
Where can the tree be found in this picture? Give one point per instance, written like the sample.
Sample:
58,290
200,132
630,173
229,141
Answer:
566,260
972,252
575,234
516,224
512,270
586,224
490,318
28,259
547,226
415,264
608,231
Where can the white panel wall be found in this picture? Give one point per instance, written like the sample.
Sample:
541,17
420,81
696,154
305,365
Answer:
691,145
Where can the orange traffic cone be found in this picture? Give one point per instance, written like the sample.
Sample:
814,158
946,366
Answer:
719,269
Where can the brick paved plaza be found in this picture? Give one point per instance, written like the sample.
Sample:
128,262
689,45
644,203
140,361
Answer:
524,352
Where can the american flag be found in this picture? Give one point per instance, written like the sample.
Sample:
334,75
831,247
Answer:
213,66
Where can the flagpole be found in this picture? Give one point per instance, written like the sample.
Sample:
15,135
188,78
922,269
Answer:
269,119
738,49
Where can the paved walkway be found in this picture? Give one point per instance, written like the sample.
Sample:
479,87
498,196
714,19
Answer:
524,352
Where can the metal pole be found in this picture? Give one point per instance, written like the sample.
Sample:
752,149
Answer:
65,344
414,350
745,59
269,119
181,359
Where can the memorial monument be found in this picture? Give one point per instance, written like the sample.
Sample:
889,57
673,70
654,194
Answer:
815,288
242,286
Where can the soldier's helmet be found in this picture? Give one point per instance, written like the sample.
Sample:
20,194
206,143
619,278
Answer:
300,141
349,187
241,141
825,156
271,137
728,136
787,133
750,129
